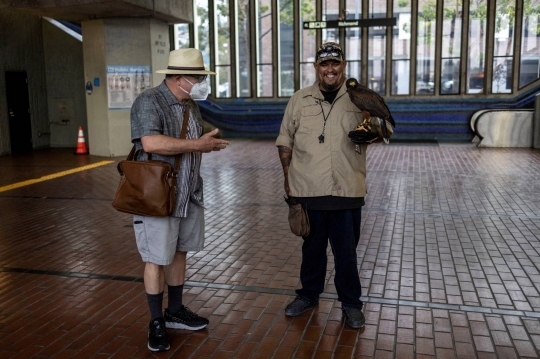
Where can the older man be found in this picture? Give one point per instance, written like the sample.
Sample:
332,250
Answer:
163,242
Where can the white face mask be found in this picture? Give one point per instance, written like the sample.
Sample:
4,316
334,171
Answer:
199,91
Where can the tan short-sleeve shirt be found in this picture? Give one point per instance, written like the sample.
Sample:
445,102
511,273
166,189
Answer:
321,169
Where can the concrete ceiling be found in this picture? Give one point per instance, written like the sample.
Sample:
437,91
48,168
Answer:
170,11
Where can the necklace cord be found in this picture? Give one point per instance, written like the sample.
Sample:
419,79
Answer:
321,137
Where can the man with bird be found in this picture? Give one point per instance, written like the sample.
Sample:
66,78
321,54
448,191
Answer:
327,176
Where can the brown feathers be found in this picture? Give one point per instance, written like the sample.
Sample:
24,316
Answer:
368,100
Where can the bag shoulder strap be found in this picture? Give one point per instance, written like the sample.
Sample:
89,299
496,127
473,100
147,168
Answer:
131,155
178,158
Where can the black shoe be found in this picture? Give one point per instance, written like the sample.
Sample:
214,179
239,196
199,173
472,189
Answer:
184,319
157,336
354,317
298,306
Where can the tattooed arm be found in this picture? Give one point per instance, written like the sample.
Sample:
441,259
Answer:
285,155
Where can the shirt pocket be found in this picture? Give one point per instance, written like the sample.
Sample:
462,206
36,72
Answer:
310,118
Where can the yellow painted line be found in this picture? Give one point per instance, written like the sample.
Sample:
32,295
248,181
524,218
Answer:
53,176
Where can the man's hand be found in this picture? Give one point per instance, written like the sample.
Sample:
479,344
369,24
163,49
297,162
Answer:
360,137
207,142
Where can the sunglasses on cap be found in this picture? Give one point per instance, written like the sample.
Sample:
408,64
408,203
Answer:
329,51
333,52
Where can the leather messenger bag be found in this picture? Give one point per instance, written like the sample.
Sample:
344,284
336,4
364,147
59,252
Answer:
148,188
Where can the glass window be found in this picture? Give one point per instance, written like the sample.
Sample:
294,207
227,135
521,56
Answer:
477,46
274,66
529,69
377,8
353,39
265,73
377,48
243,57
181,36
202,41
264,48
451,47
450,76
222,49
425,50
502,74
309,74
354,10
503,48
308,48
401,75
286,48
401,48
330,11
353,70
223,75
376,53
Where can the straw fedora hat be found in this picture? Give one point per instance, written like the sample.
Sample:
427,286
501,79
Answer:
186,62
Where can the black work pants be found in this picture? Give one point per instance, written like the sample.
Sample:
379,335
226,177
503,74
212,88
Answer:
342,228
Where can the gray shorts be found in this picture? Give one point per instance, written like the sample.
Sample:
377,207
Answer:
159,238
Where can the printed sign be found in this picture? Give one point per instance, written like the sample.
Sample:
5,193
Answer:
125,83
332,24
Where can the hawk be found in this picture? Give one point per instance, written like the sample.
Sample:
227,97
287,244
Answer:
368,100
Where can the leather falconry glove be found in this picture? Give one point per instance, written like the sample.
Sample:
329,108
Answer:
361,136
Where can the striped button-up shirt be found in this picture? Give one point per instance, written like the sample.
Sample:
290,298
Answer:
158,112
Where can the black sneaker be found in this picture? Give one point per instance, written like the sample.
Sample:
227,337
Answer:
354,317
299,306
157,336
184,319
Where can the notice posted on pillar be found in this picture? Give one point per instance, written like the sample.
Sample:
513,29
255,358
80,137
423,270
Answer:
125,83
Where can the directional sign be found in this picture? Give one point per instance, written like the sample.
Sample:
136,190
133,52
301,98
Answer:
386,21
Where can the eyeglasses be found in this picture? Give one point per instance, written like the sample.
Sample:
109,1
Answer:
199,78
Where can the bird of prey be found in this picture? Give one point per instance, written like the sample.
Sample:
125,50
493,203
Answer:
368,100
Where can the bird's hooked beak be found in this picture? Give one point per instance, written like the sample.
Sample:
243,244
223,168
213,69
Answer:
351,83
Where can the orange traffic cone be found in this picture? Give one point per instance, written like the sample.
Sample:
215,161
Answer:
81,145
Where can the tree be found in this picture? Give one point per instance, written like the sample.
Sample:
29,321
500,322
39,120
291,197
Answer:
478,12
426,17
202,31
505,19
452,12
531,9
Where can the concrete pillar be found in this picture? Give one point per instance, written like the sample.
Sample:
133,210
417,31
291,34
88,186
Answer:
536,122
118,42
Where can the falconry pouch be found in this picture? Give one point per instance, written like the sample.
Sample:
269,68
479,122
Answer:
298,218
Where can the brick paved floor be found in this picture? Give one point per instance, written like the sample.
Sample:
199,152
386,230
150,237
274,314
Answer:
448,257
